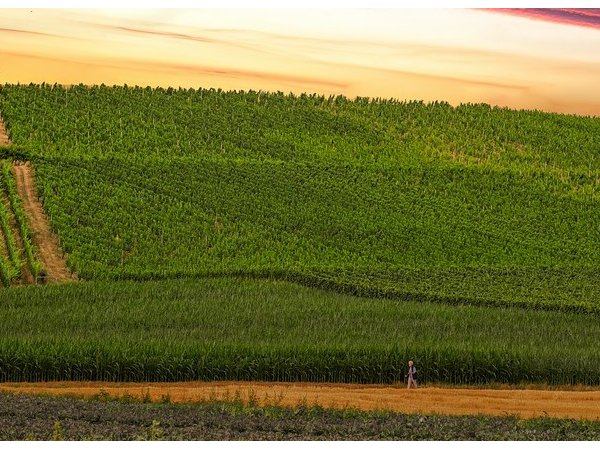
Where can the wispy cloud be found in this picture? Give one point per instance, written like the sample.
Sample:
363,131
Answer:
251,74
185,71
27,32
579,17
169,34
233,40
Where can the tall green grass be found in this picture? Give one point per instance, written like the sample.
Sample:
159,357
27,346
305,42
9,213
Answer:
228,329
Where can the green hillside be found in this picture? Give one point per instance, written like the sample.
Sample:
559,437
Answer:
382,198
477,218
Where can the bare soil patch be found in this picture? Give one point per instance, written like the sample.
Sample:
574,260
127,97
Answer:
524,403
33,417
3,134
44,240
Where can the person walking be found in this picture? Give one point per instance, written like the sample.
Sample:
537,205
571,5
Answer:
412,375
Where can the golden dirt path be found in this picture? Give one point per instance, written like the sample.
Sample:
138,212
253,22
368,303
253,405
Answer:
525,403
3,134
44,240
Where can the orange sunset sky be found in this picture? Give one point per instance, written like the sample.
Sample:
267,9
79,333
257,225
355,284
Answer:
534,59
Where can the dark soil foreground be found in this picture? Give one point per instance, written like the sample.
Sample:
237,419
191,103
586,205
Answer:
25,417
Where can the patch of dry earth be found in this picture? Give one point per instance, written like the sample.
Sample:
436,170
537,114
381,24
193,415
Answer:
525,403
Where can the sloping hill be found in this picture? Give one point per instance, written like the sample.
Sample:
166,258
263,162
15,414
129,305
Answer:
382,198
410,201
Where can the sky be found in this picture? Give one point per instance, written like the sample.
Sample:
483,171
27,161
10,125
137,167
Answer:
547,59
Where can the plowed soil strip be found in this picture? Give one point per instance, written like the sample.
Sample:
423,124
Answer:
44,240
525,403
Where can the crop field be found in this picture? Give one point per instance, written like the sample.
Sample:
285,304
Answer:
248,235
43,418
471,203
242,329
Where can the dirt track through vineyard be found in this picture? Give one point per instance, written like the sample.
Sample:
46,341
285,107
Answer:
4,140
44,240
525,403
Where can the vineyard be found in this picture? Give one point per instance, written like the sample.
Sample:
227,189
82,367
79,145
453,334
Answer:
18,260
479,224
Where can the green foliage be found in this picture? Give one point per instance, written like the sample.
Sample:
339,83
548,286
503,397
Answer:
9,267
11,262
14,257
10,189
448,209
57,431
240,329
396,199
15,152
155,433
7,274
144,122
